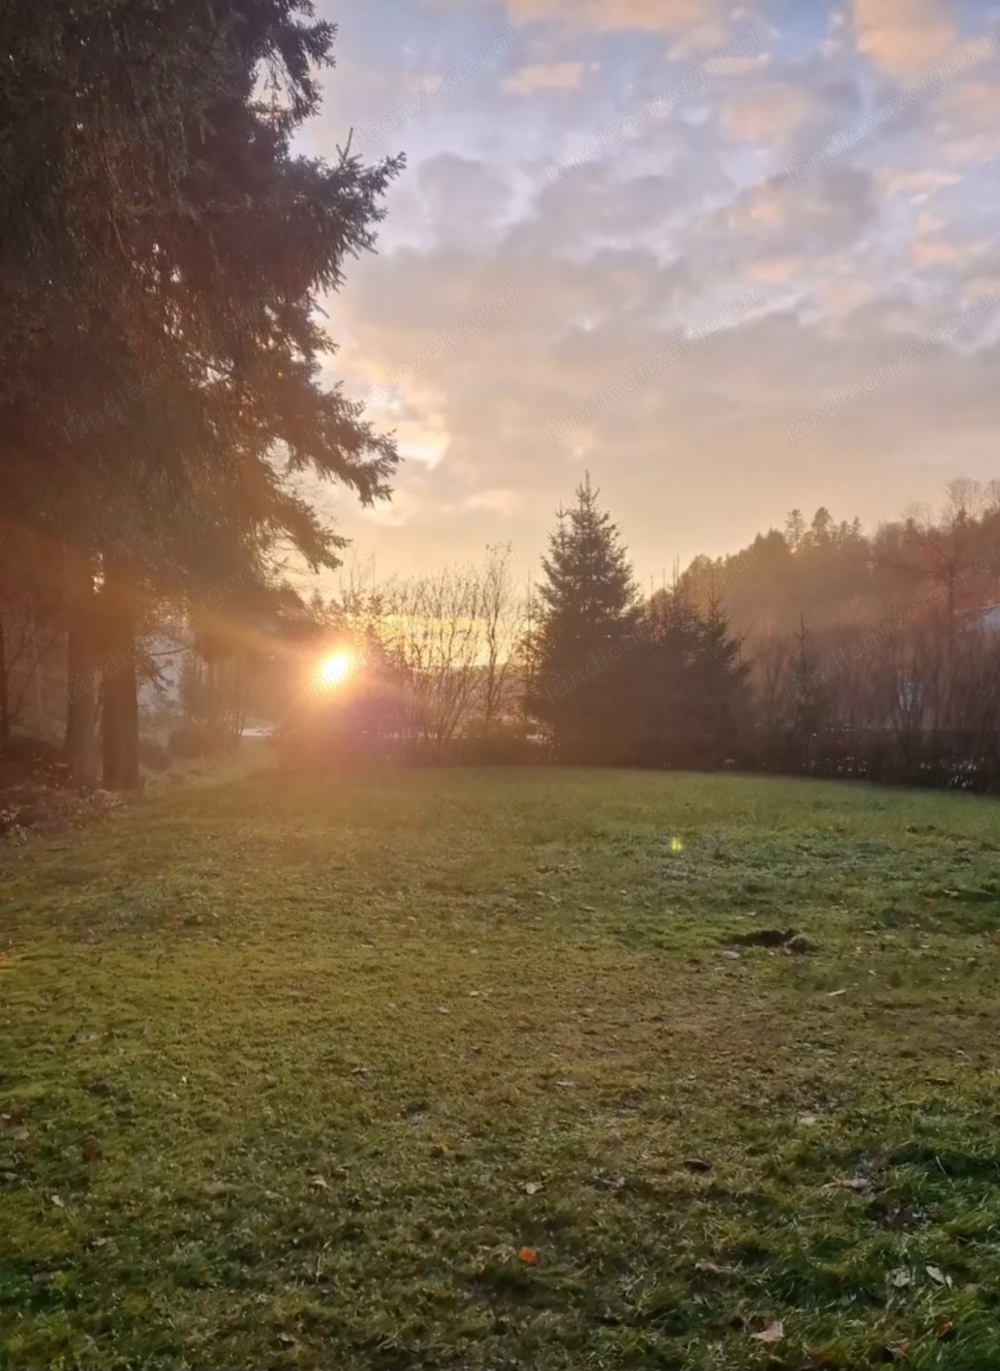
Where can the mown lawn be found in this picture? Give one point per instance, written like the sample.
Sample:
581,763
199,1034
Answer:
462,1070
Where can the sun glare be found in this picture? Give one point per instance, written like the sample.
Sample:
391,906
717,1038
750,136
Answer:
337,669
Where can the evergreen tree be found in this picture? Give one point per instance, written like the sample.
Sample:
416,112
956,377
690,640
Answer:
721,685
689,684
795,528
586,630
163,253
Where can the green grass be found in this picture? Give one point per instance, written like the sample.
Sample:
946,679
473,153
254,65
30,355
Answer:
295,1071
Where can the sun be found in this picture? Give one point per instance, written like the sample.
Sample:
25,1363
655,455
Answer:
337,669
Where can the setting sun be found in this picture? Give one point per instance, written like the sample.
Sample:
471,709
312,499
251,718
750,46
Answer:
337,669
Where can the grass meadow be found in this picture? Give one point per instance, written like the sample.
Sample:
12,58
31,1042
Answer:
507,1069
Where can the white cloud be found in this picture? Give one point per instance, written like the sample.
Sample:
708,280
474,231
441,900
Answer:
552,76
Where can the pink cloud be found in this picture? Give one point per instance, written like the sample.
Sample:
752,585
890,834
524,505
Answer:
904,36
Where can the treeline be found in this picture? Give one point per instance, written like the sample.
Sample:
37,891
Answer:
818,648
162,254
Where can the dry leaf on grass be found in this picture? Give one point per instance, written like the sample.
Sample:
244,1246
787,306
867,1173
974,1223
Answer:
774,1332
528,1255
213,1189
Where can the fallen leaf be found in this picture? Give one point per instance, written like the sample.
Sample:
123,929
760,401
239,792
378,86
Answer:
774,1332
320,1183
443,1009
58,1202
532,1187
528,1255
588,909
901,1278
732,955
938,1276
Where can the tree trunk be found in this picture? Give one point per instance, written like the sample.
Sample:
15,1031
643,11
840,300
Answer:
120,712
4,688
83,679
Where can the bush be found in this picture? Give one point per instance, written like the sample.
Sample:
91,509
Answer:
24,759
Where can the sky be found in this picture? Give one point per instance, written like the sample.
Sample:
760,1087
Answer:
730,259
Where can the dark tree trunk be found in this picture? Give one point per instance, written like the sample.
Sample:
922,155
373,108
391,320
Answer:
4,687
83,679
120,713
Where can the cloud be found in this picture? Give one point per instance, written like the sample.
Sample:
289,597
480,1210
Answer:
935,252
617,240
904,36
495,500
553,76
770,112
830,211
699,23
774,270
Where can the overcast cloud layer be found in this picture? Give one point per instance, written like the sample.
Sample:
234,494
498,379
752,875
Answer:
730,259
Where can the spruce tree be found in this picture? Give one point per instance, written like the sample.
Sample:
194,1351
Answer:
164,252
586,630
689,684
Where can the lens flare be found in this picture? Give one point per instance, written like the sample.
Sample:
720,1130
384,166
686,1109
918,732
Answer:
336,670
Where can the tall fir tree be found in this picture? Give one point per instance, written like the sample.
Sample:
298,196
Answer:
587,625
163,256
